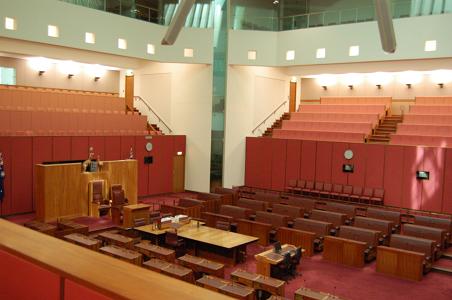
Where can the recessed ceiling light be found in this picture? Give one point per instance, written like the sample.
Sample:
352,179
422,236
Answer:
353,51
53,31
90,38
122,44
290,55
10,23
188,52
321,53
151,49
430,46
252,54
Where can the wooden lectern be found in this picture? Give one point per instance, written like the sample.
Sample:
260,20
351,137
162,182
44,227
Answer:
62,190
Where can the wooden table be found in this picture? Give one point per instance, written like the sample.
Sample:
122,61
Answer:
267,258
83,240
237,291
135,211
158,234
202,265
259,282
216,244
123,254
150,250
116,239
169,269
308,294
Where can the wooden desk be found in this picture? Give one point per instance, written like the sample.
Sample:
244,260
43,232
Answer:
238,291
299,238
259,282
62,189
123,254
150,250
83,240
308,294
216,244
202,265
400,263
135,211
169,269
158,234
116,239
270,257
41,227
344,251
92,272
274,297
211,282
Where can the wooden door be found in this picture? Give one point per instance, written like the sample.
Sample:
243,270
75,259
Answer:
293,97
129,93
178,174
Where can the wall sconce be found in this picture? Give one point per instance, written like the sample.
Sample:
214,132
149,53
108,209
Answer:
378,86
350,86
408,85
41,72
96,78
441,85
324,87
69,76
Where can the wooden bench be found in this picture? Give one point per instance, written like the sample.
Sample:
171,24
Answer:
307,204
347,209
442,223
384,226
344,251
188,207
384,214
410,243
319,228
298,238
235,212
212,218
400,263
368,236
254,228
253,205
229,196
275,220
288,210
337,219
436,234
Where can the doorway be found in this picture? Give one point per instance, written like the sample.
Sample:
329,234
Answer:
179,174
293,97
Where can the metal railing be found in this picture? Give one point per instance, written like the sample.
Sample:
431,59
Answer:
153,118
269,117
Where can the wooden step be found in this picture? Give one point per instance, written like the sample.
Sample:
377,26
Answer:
442,270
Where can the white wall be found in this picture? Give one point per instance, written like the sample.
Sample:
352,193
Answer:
53,78
182,95
33,17
253,93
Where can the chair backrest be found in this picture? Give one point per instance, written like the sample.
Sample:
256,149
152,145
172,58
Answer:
297,256
171,238
98,190
292,182
347,189
301,183
327,187
118,197
116,187
287,259
368,192
379,193
337,188
223,225
277,246
319,186
310,184
357,190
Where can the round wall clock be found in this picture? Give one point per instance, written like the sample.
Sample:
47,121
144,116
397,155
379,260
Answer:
148,146
348,154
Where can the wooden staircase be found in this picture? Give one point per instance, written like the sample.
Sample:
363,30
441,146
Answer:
276,125
381,134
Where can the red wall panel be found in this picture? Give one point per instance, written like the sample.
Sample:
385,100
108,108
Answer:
42,152
112,148
179,144
126,143
375,165
258,166
98,143
143,170
20,279
79,148
412,187
160,178
393,173
323,161
5,148
337,176
21,176
61,148
293,157
432,189
278,171
307,162
447,191
357,178
75,291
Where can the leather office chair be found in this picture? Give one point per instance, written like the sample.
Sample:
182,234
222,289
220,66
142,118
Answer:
97,196
118,201
223,225
174,242
295,261
282,270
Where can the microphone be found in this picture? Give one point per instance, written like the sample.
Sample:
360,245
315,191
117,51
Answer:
385,25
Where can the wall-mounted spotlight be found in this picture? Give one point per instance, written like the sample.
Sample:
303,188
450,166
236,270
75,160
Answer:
40,64
441,77
378,86
408,85
350,86
69,68
96,78
326,80
69,76
441,85
41,72
409,78
324,87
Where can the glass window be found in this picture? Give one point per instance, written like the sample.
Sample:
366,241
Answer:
7,76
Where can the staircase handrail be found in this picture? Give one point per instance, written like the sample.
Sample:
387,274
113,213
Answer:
153,111
268,117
